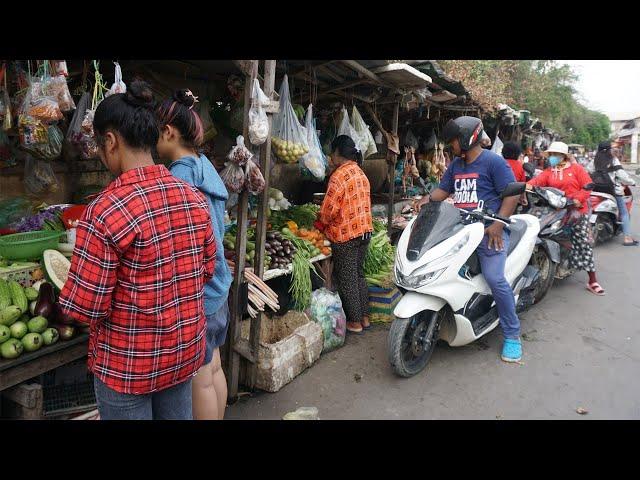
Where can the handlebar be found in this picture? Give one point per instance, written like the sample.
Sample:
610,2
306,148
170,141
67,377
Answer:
494,217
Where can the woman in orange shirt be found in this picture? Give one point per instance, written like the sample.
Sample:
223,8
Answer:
345,218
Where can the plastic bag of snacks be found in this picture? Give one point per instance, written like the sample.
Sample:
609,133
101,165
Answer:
118,86
45,109
289,138
362,129
233,177
39,139
347,129
314,164
326,310
254,179
39,177
57,88
258,121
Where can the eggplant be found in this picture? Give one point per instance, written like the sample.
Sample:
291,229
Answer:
270,236
66,332
60,317
46,301
287,251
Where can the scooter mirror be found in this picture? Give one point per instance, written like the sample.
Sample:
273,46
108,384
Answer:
530,168
589,186
513,189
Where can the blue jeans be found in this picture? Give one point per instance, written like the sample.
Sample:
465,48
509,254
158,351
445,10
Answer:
173,403
492,263
624,215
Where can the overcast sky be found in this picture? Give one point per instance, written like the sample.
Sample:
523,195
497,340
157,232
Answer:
610,86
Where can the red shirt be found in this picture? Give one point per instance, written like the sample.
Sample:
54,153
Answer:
571,180
518,171
144,250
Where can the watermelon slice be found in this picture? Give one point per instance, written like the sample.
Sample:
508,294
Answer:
56,267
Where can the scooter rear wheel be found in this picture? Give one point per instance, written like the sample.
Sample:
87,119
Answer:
412,342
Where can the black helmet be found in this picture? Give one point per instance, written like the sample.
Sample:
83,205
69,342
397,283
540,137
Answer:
468,131
602,146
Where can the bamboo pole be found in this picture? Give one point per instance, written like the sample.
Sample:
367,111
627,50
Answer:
392,168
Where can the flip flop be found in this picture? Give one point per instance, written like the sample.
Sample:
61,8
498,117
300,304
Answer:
355,332
596,289
631,244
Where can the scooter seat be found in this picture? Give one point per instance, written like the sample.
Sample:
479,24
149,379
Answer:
517,229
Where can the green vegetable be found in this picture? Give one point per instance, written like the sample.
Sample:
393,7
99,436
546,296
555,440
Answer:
18,297
31,293
5,294
9,315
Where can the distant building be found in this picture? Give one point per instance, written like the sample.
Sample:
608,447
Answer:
625,131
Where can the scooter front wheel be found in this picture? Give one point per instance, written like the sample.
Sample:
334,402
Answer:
412,342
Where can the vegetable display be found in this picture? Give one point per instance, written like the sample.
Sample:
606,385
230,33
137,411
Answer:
378,263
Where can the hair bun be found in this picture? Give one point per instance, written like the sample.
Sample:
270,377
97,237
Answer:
184,97
139,94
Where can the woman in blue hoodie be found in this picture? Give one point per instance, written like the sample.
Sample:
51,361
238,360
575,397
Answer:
181,135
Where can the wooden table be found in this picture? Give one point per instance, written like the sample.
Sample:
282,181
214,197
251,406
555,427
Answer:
30,365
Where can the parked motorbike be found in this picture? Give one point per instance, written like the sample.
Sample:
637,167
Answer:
553,247
446,296
605,216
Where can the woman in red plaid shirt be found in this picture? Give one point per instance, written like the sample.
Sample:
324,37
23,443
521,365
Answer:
144,250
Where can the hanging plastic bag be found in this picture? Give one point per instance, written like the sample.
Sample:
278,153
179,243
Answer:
254,180
57,88
240,154
410,140
75,125
314,164
39,139
347,129
233,177
5,111
258,121
209,128
362,129
39,177
60,68
118,85
86,141
289,138
326,310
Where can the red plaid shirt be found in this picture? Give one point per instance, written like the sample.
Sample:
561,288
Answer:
144,249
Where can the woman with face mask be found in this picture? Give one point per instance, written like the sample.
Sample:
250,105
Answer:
572,178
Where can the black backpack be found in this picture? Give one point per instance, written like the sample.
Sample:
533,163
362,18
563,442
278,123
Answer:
602,182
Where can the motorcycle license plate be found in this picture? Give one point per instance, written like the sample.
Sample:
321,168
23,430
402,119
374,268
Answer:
593,218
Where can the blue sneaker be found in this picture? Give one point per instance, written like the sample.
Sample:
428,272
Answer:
511,350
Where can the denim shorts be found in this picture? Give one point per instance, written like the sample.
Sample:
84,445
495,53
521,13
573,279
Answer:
217,325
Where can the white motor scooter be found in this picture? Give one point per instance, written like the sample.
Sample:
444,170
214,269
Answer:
445,294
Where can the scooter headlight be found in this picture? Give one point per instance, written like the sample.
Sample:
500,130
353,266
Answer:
414,281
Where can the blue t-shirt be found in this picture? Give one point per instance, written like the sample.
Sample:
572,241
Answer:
484,179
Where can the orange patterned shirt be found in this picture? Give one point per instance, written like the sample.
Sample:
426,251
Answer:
346,209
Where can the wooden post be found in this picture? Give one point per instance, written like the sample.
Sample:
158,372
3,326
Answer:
392,168
233,362
263,208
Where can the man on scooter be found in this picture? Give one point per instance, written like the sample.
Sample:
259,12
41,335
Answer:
478,174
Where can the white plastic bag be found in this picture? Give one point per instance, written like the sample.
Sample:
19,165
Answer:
313,164
258,121
362,129
118,86
347,129
289,138
326,310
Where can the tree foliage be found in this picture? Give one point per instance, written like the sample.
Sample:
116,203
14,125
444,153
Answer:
544,87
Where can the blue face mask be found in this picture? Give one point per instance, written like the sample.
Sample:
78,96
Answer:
554,160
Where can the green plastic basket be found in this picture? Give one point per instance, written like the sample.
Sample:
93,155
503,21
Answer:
28,245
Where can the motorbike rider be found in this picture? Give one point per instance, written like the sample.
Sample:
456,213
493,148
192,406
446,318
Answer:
477,174
572,179
607,162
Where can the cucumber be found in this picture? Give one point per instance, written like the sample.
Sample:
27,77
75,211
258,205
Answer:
5,294
9,315
31,294
18,297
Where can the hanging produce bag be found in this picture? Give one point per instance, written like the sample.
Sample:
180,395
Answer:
233,176
258,121
86,142
314,164
366,138
347,129
118,86
6,111
326,310
289,137
39,177
254,180
60,68
75,125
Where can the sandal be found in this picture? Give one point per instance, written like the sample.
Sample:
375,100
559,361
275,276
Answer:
355,330
368,321
595,288
632,243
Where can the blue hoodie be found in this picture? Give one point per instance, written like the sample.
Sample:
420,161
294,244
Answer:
200,173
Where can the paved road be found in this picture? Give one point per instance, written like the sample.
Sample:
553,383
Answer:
580,350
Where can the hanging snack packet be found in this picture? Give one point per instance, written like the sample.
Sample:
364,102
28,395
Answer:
289,138
57,88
